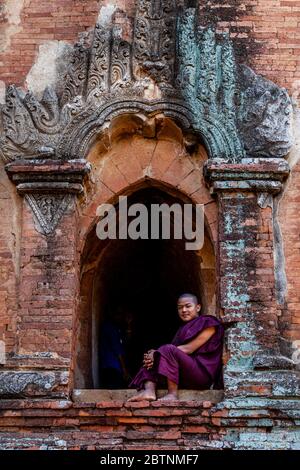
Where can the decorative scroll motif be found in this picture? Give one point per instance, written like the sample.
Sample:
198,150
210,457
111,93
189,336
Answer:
120,74
75,80
265,116
228,77
98,79
48,209
21,137
45,114
235,112
206,72
154,40
207,86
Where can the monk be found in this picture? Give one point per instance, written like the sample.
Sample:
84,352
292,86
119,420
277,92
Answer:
193,360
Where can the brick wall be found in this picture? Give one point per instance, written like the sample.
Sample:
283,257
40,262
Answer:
41,425
47,286
289,223
266,35
40,22
266,32
10,210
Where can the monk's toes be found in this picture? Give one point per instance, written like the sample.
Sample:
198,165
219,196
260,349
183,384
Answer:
142,396
138,397
169,397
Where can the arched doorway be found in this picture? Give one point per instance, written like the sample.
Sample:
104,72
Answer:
141,279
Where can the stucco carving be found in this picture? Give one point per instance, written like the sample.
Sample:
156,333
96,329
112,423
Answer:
235,112
48,209
265,114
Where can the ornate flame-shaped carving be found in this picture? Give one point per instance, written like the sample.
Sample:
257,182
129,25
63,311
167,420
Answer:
194,70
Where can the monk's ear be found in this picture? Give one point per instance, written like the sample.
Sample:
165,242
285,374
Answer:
198,308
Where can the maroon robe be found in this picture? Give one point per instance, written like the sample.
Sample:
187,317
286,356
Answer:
198,370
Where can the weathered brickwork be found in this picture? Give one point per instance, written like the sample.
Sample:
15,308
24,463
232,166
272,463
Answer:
50,425
10,209
247,234
288,213
266,32
121,127
45,320
272,26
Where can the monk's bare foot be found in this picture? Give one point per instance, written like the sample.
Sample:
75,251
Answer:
143,395
169,397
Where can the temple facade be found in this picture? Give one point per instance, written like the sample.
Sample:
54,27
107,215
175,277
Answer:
164,102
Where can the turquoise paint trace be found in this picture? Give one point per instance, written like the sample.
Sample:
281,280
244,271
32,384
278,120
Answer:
207,72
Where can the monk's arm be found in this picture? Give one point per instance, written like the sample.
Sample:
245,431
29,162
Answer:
201,339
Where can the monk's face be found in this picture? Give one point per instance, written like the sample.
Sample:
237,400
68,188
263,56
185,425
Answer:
187,309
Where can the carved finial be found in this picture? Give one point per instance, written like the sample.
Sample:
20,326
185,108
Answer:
98,78
75,80
120,67
228,73
154,39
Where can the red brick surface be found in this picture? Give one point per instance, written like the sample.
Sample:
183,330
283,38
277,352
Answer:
47,288
37,424
266,32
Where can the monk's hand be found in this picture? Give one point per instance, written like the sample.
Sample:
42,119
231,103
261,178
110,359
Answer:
149,359
148,362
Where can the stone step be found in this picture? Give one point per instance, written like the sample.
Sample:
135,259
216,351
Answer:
90,396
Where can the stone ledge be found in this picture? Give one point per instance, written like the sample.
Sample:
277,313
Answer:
251,175
252,168
86,396
47,167
48,176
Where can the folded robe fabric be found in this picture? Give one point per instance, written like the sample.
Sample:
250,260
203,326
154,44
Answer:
200,370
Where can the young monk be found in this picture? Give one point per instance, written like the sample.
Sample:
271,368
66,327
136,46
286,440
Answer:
193,360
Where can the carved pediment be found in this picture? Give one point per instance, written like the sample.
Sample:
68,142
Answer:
48,209
194,77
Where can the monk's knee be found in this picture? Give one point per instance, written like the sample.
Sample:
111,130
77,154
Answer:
168,350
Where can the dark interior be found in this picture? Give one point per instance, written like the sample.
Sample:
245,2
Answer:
141,281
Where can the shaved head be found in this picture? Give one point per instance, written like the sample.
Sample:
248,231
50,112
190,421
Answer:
190,296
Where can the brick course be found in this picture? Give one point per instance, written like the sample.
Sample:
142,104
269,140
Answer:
42,424
266,33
